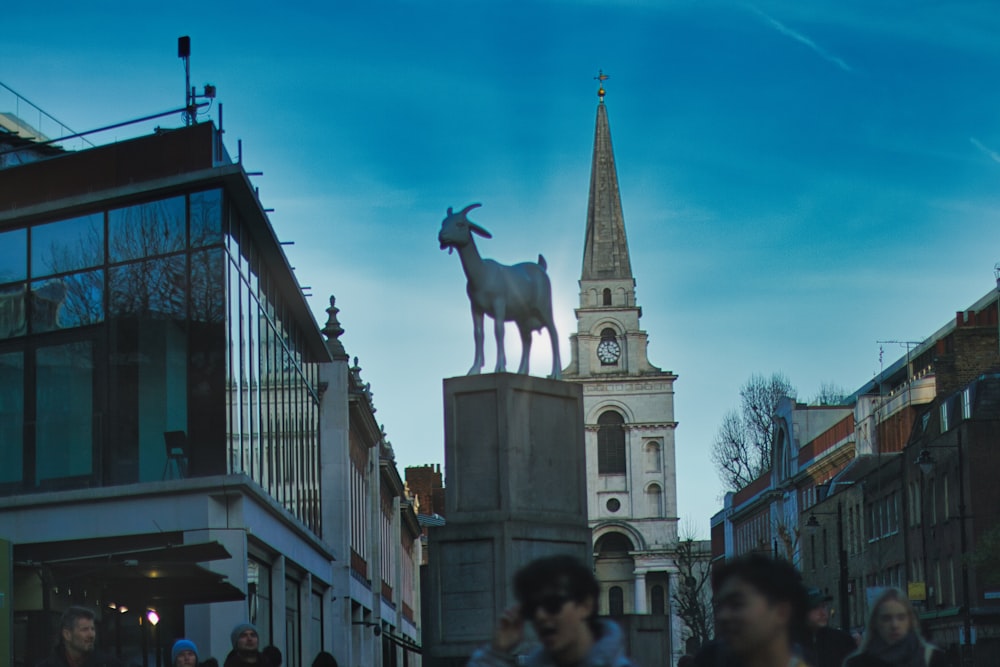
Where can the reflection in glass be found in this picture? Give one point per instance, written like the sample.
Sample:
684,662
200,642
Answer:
13,255
11,416
149,289
206,218
71,301
64,411
67,245
13,318
208,292
146,230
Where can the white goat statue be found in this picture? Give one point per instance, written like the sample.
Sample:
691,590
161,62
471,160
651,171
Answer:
520,293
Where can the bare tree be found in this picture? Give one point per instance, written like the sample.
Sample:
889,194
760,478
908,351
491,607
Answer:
692,595
829,394
742,447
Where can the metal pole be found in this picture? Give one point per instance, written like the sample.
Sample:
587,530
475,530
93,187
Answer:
845,613
967,656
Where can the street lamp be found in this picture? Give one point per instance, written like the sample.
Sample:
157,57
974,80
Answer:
813,524
925,461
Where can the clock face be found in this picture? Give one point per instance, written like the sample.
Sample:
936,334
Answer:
608,351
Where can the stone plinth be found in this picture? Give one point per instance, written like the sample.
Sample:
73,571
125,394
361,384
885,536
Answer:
515,490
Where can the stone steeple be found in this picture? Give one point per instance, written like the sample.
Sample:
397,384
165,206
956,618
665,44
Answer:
605,254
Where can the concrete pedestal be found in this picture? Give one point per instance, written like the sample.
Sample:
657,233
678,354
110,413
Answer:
515,490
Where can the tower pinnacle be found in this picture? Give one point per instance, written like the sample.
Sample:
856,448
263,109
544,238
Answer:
605,254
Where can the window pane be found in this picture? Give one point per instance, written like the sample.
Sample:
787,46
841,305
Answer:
67,245
70,301
206,218
11,416
153,289
13,255
146,230
64,396
13,320
149,364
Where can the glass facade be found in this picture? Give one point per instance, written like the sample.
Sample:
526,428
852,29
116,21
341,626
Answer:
122,324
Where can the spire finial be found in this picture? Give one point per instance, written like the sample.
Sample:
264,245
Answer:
601,78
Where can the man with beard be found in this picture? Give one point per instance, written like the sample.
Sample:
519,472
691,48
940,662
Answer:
246,648
78,639
558,597
760,606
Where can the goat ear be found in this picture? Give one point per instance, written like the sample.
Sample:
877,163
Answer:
479,230
449,210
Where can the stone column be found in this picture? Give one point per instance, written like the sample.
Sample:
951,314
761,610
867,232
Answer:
517,490
640,592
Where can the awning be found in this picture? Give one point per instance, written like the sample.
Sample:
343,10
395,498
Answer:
161,575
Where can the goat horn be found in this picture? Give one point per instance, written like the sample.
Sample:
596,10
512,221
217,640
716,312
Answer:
468,208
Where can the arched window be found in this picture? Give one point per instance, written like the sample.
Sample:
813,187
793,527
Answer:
616,601
611,444
653,456
613,545
607,296
654,500
657,601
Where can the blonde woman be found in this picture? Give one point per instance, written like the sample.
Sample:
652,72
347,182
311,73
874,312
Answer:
892,637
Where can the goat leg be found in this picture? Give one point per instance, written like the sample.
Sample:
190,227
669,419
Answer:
477,336
499,312
525,349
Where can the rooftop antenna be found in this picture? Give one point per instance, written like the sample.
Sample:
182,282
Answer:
190,95
184,53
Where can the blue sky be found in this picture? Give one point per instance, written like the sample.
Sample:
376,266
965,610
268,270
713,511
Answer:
799,180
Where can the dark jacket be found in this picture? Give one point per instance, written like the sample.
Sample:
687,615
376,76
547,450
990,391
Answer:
95,659
234,660
937,659
827,647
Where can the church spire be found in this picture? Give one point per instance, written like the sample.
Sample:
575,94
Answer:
605,254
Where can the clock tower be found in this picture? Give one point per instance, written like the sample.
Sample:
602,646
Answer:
628,410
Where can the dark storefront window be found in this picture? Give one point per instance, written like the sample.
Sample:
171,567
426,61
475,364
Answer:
11,416
64,412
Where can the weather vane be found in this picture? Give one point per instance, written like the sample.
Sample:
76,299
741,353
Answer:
601,77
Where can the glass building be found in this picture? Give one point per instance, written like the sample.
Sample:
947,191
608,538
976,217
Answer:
160,440
147,336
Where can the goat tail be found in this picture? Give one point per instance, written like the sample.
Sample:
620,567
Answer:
541,263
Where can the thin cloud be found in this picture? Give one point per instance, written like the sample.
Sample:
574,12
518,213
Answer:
802,39
989,152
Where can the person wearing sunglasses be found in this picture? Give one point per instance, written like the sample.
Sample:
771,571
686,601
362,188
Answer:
557,597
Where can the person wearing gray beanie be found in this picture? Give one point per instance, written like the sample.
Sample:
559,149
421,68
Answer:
184,654
246,648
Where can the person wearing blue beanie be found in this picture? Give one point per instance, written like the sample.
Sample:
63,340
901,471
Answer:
184,654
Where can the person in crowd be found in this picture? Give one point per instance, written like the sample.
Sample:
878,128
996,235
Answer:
760,607
823,646
892,637
246,648
557,595
210,662
184,654
78,642
273,655
324,659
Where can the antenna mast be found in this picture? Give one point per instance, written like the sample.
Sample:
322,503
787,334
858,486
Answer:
184,53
